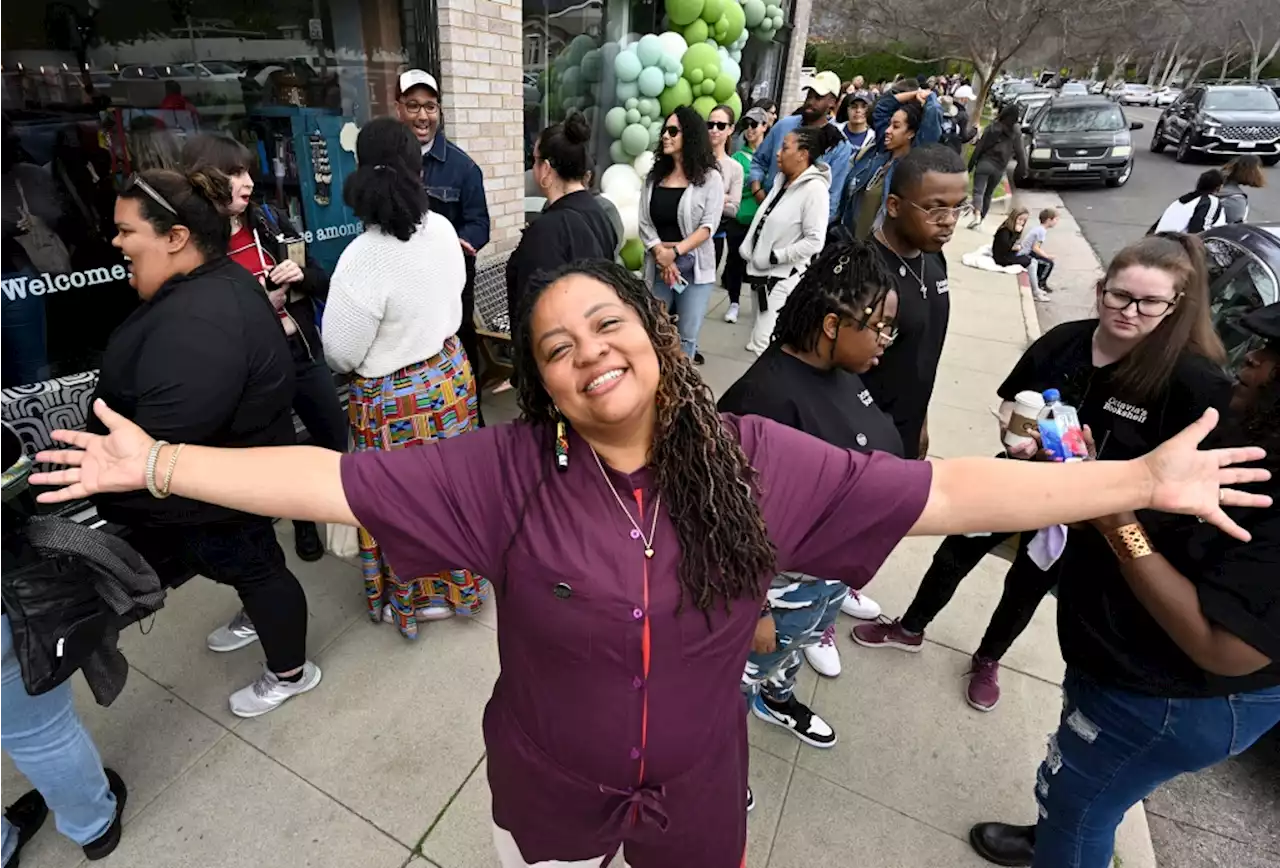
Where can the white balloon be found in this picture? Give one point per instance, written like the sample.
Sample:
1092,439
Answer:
643,164
673,44
630,214
620,181
729,67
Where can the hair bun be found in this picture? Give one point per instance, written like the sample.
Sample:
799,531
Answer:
576,129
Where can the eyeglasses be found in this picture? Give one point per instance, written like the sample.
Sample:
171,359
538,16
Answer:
413,107
718,125
1118,299
938,216
671,132
152,193
751,125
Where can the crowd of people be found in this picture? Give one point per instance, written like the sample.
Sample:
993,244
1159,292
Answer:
655,551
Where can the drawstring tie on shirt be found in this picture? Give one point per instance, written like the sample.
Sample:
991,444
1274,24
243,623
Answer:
639,805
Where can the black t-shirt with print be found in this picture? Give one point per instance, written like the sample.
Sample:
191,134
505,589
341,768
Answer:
1103,629
902,383
833,405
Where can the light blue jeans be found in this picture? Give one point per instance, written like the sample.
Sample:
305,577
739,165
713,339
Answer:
45,739
688,307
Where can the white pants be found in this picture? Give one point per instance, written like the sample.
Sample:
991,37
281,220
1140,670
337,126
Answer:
509,855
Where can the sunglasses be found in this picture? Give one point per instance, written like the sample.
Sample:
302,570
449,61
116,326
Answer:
751,125
671,132
718,125
152,193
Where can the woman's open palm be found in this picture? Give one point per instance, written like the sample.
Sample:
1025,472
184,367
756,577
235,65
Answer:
99,463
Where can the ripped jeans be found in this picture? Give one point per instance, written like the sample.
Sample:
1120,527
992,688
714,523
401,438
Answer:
1113,748
804,609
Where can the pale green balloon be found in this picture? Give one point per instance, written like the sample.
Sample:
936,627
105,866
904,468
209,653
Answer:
651,81
633,115
617,153
615,122
635,139
627,90
753,13
649,49
627,66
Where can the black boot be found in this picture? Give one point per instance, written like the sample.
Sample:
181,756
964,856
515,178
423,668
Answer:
306,541
1004,844
107,842
26,815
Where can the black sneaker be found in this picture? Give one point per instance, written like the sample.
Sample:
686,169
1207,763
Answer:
751,800
306,541
110,839
795,716
26,815
1004,844
698,359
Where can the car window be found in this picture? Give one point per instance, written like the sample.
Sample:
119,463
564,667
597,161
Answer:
1250,99
1235,294
1080,119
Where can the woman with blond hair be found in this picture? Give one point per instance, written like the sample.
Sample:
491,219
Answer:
1243,171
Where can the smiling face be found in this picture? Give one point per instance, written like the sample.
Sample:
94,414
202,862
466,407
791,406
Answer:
1138,282
594,356
151,255
1256,376
898,136
672,136
859,349
419,110
753,133
241,191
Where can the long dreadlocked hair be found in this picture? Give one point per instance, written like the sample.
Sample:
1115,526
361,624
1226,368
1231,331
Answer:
848,279
700,469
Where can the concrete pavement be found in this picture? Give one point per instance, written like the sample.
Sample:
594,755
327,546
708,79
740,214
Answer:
382,766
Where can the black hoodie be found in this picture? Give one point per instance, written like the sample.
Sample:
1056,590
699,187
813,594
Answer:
570,229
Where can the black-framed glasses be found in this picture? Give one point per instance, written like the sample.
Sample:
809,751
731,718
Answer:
718,125
938,216
414,107
671,132
152,193
1118,299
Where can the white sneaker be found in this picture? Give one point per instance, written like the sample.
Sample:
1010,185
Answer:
433,613
731,315
238,633
1040,295
268,692
825,656
857,606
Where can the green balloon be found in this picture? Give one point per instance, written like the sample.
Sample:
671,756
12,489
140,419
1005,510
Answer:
713,9
629,104
683,12
628,90
615,122
708,86
723,87
696,32
695,77
632,254
735,102
737,20
633,116
635,140
753,12
704,105
649,107
701,58
677,95
618,154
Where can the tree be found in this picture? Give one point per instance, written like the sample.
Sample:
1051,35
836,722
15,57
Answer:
1259,21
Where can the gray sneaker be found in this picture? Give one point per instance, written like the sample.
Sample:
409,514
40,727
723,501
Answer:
238,633
268,692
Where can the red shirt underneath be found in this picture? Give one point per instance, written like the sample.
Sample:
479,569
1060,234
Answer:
245,253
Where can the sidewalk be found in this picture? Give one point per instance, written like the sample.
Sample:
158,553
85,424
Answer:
383,765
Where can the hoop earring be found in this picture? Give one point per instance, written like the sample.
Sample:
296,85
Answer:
562,443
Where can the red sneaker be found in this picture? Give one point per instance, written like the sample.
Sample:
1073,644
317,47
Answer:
884,633
983,692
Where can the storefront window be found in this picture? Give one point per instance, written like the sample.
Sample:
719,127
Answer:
96,91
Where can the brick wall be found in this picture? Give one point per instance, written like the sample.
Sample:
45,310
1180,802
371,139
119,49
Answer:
791,99
481,66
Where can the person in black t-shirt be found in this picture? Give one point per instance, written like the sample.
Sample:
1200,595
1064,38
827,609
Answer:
1004,246
1171,633
835,326
926,199
1138,375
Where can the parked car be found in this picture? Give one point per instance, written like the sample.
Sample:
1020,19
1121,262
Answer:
1134,94
1079,139
1013,90
1098,87
1166,95
1244,275
1223,120
1028,102
1074,88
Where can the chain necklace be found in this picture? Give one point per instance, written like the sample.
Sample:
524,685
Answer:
902,272
636,532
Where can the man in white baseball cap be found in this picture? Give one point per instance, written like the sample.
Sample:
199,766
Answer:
823,95
454,184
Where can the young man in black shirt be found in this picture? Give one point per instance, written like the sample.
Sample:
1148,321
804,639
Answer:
927,198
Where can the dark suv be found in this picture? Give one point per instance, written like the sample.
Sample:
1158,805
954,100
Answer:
1079,138
1223,120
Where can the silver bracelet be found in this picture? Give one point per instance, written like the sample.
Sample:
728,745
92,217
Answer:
152,457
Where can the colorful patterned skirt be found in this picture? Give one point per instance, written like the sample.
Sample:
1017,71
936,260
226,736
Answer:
428,401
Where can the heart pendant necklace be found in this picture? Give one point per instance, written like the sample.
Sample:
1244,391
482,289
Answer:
636,532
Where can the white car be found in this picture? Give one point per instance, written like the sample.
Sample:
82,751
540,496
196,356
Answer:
1136,94
1166,95
1074,88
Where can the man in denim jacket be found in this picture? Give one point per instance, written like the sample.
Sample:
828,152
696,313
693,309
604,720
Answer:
454,184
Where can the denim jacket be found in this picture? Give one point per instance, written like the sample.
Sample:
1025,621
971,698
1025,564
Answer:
455,186
866,165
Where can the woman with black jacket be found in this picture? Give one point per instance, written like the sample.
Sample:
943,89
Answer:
203,360
1000,143
258,242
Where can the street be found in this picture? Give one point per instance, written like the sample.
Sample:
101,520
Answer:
1228,815
1112,218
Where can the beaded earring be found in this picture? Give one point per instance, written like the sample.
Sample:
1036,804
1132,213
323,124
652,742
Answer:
562,443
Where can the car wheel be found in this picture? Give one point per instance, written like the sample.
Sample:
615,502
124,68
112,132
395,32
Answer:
1123,177
1157,138
1271,161
1184,153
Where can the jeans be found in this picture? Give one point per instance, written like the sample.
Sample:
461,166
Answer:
45,739
1025,585
1113,748
688,308
243,553
467,331
807,610
735,267
1038,271
986,178
315,400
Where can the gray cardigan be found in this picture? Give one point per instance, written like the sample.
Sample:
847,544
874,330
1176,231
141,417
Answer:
700,205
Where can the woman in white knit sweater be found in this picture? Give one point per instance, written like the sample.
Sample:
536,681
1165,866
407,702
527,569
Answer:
394,308
790,226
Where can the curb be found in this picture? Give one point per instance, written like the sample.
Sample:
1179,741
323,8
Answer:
1030,319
